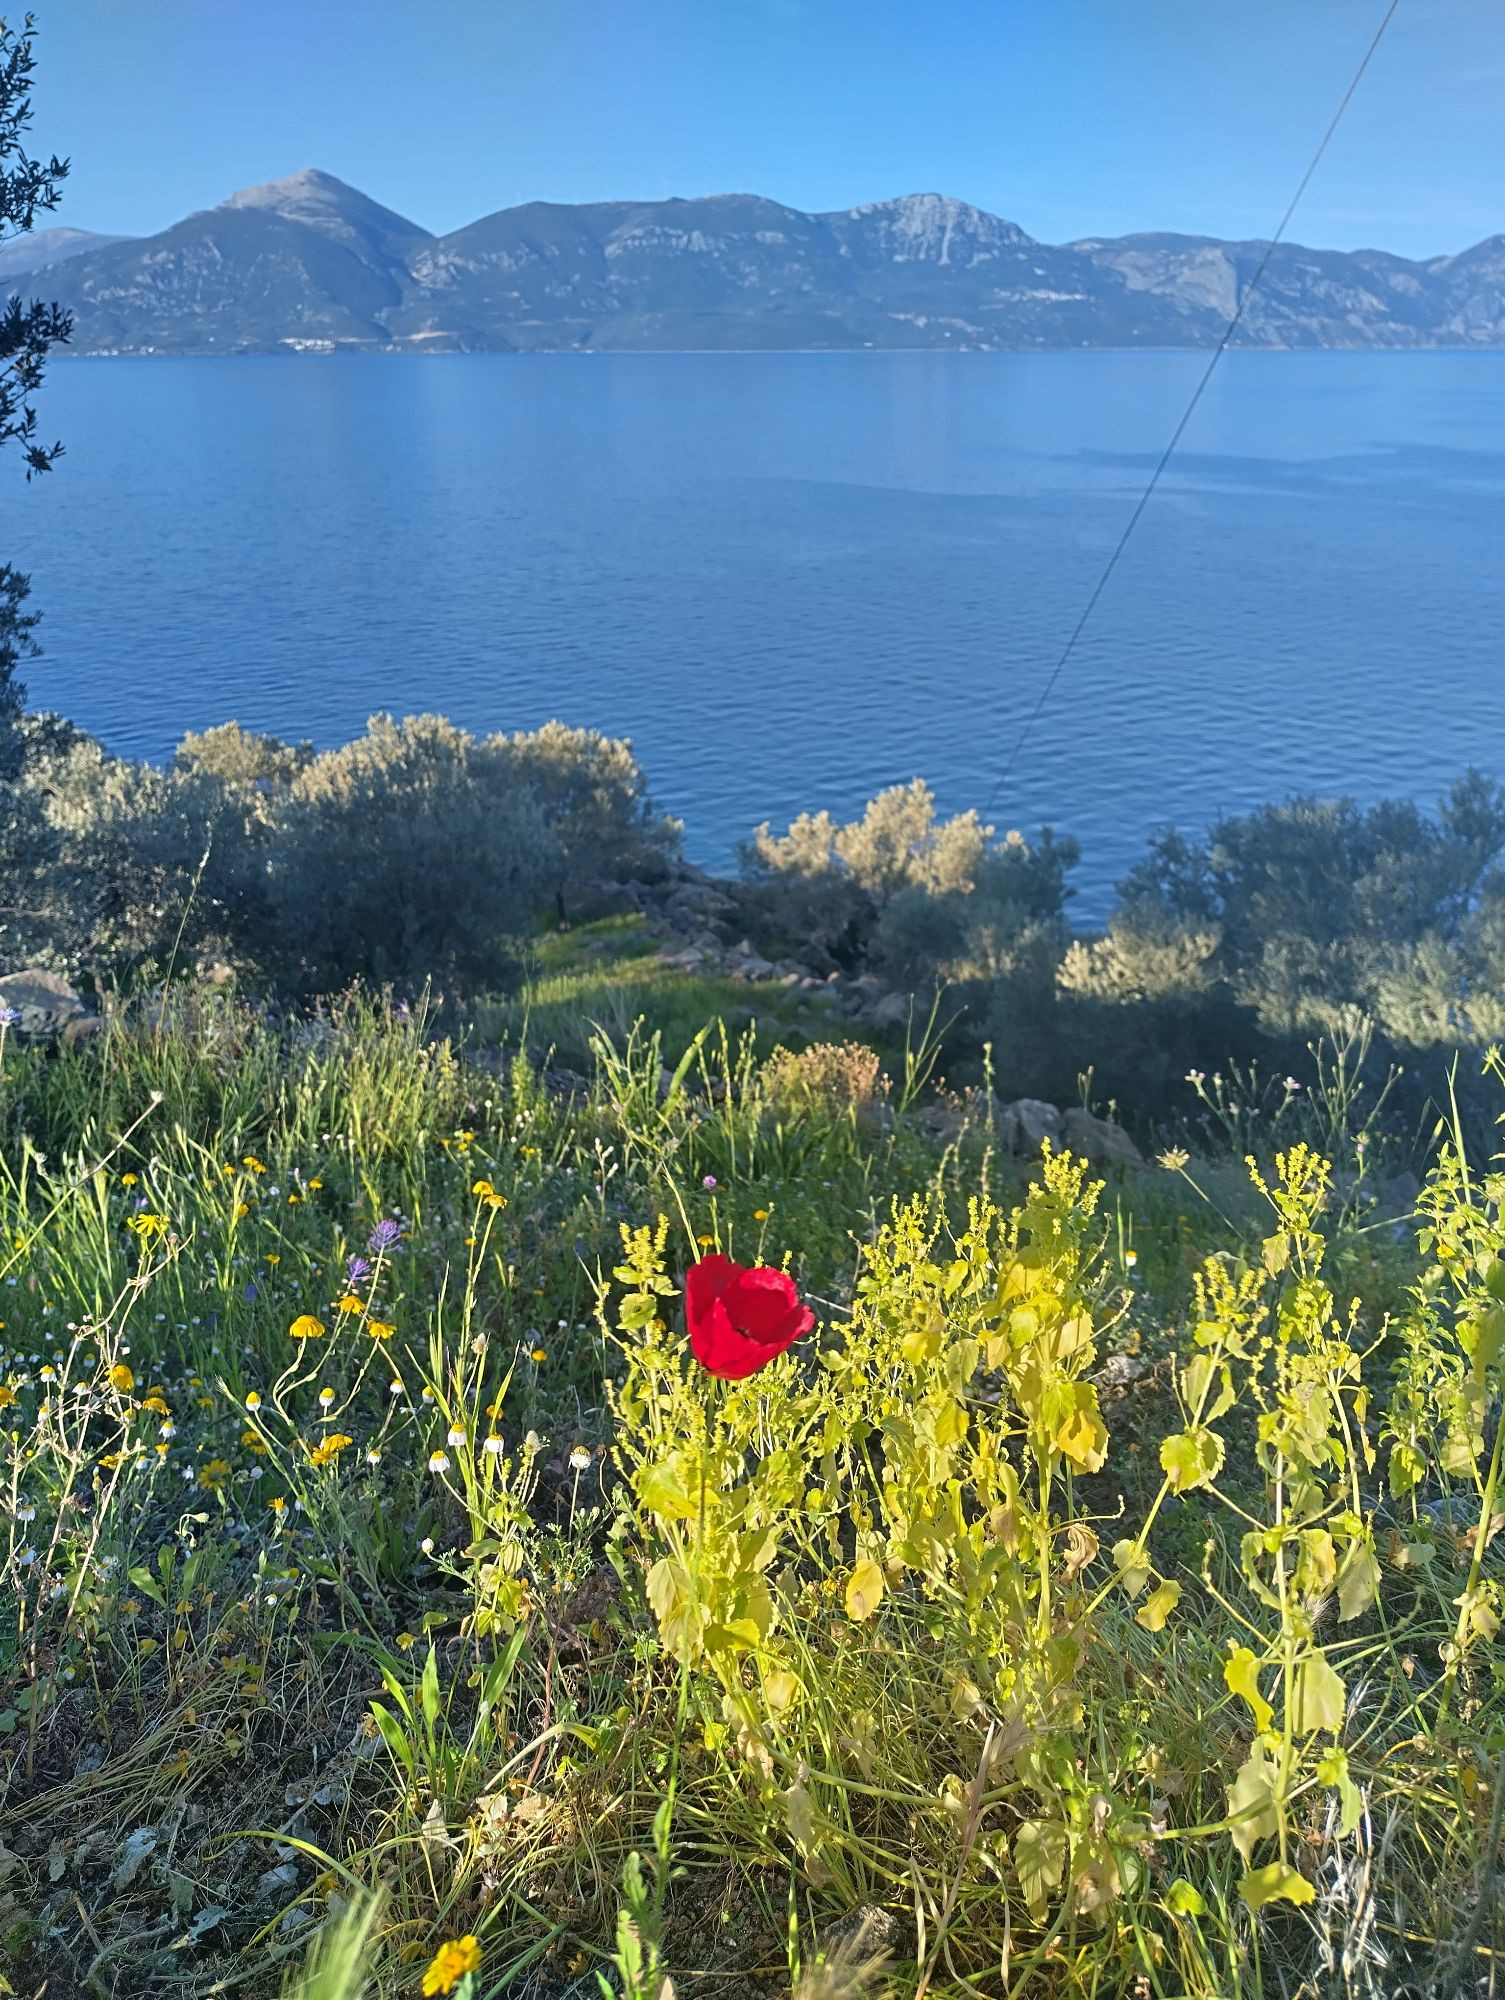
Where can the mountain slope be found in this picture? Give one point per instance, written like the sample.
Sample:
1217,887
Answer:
49,246
337,210
226,281
310,261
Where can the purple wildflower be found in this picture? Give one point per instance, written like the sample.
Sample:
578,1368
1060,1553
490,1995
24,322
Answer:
708,1181
384,1236
357,1267
9,1016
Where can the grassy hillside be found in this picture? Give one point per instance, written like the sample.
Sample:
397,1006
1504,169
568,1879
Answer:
1099,1598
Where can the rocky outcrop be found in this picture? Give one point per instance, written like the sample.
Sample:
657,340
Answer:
39,1006
1029,1124
1098,1140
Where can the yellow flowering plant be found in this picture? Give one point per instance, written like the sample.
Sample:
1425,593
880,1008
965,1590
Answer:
919,1478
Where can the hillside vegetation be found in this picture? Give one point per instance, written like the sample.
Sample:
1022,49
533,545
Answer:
421,855
1092,1589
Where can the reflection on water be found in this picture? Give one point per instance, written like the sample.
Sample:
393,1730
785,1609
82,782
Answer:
794,578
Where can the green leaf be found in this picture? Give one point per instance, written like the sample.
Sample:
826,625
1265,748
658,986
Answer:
1489,1340
1358,1578
923,1341
1332,1769
1407,1469
1318,1699
864,1591
668,1584
1252,1814
1039,1862
1191,1459
664,1491
1133,1570
1276,1883
148,1585
429,1689
1276,1252
1196,1386
1081,1435
1182,1899
393,1736
1158,1606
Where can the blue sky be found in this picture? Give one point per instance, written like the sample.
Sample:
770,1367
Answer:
1071,117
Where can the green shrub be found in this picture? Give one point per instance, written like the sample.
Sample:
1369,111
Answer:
412,852
907,895
416,851
594,799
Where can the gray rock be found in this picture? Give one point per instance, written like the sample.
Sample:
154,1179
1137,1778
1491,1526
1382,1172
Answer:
1099,1141
944,1119
891,1011
869,1932
1119,1370
1028,1122
272,1881
135,1851
41,1003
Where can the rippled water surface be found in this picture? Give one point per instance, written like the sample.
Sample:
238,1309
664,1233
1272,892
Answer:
794,578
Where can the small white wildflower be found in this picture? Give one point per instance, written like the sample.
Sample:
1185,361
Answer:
493,1445
438,1461
580,1458
456,1435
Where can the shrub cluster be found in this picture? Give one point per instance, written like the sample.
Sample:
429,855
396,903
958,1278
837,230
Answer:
1277,926
415,851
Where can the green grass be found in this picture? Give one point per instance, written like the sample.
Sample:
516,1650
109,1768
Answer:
282,1714
609,975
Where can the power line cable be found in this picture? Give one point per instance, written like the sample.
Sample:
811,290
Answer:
1190,411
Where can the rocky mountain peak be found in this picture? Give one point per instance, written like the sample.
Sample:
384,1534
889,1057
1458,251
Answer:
935,229
326,203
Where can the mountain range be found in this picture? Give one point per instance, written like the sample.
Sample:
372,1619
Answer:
309,263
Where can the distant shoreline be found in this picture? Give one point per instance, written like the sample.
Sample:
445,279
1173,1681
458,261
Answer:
425,353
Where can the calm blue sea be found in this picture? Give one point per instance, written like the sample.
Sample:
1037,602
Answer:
795,578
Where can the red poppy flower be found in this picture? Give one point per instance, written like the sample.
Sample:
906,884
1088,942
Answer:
741,1316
